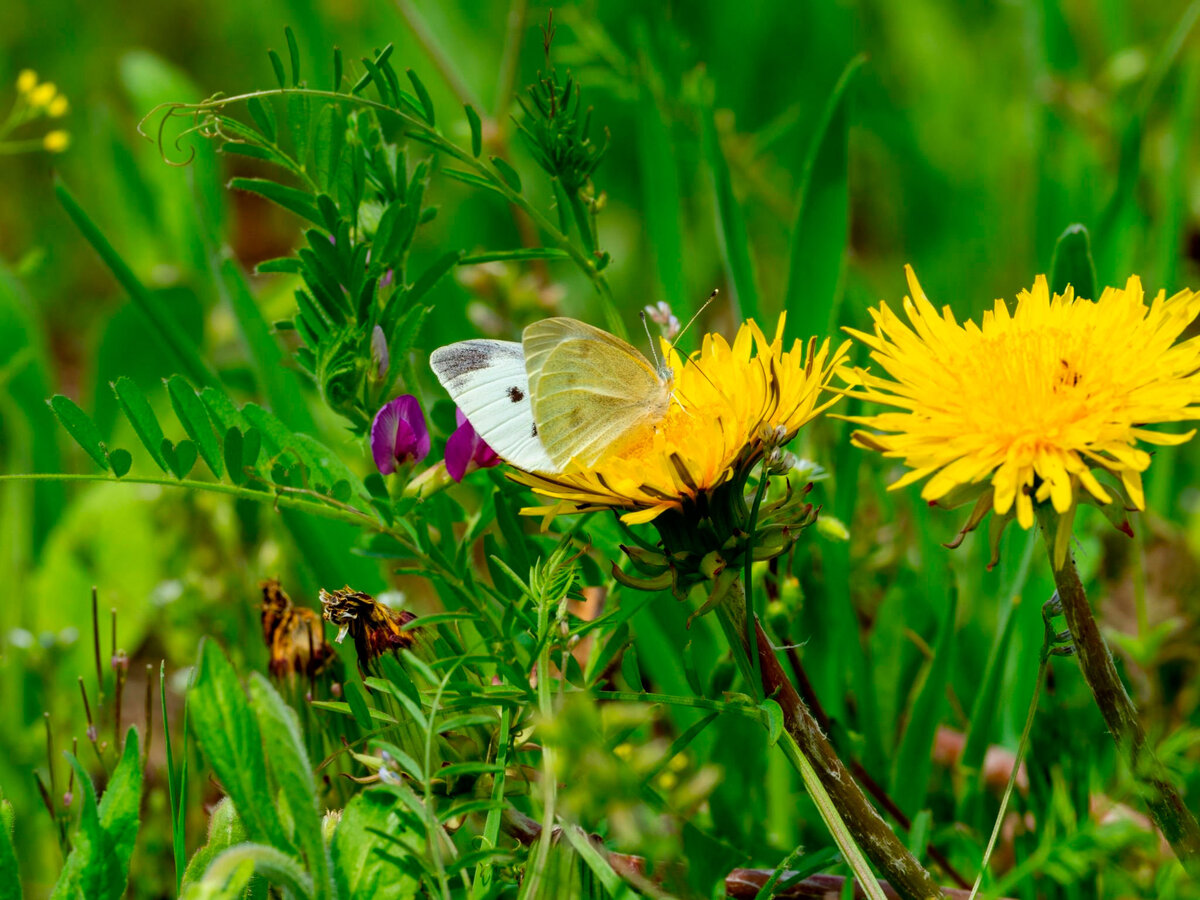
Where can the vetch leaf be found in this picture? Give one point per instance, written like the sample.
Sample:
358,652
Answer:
774,714
263,115
431,276
277,66
233,455
476,130
196,422
291,199
120,460
508,173
179,457
422,95
293,54
80,427
137,410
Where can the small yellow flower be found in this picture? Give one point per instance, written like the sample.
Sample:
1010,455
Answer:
56,141
58,107
726,398
1022,407
42,94
26,81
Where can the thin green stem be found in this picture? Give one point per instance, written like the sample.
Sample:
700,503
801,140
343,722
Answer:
549,786
1177,824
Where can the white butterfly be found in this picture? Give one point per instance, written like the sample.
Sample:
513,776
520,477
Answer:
567,391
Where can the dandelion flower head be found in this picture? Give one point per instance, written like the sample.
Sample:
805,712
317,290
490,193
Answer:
1029,402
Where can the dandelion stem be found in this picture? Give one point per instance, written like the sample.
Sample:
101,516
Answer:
808,747
1173,818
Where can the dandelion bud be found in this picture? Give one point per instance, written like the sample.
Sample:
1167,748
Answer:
58,107
42,94
26,81
56,141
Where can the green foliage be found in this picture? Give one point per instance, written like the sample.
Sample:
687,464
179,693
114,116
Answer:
544,715
98,865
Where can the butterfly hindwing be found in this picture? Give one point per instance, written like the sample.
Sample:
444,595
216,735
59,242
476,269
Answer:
489,383
589,388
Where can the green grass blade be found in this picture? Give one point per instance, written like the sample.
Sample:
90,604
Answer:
151,304
175,795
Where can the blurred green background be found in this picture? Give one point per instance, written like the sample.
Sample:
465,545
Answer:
970,137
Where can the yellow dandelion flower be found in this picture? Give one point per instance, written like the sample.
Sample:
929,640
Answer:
1022,407
42,94
730,402
56,141
26,81
58,107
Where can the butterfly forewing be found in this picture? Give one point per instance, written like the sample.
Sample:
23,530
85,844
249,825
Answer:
489,383
589,388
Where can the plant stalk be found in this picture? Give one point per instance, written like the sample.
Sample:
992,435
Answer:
870,832
1177,824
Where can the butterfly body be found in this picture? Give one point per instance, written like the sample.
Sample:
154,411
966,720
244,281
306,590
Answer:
568,391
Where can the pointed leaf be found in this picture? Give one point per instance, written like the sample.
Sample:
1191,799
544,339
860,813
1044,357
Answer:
80,427
422,95
291,199
196,422
140,415
508,173
1073,264
476,130
120,460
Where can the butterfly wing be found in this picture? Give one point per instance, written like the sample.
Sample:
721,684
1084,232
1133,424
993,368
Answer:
488,381
589,388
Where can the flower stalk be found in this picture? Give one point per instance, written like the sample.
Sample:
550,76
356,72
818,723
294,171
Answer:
808,748
1177,824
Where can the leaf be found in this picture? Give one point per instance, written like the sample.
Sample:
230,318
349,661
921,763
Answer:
230,873
820,229
360,867
137,410
231,740
774,714
291,199
476,130
292,770
473,180
1073,264
263,115
298,122
233,455
277,66
120,460
508,173
98,865
196,422
293,54
224,830
10,876
525,253
422,95
179,457
80,427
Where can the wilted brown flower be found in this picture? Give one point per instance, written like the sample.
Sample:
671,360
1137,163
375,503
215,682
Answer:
294,636
376,628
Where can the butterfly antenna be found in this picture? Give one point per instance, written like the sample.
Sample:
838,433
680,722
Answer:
692,320
658,363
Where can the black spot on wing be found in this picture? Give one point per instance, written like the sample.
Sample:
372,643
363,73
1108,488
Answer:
515,394
534,433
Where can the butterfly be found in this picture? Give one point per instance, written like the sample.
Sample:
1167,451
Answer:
568,391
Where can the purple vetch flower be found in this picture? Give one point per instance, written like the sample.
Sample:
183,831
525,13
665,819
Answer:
465,447
398,434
